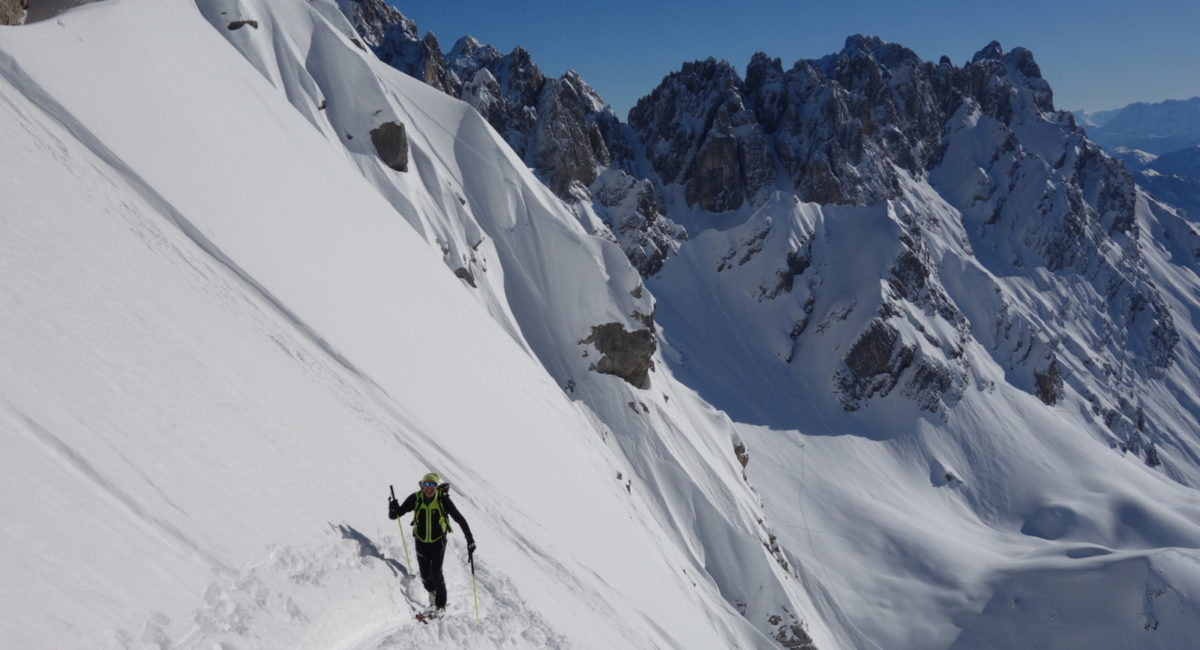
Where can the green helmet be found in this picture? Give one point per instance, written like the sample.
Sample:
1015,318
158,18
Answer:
431,477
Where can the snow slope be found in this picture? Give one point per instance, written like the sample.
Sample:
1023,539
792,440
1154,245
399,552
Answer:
230,327
961,361
947,396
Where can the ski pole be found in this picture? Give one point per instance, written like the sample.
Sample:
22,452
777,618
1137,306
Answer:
474,591
407,563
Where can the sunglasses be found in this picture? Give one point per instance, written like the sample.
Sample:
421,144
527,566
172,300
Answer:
428,484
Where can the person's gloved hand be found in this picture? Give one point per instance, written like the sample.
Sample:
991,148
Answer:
471,548
393,509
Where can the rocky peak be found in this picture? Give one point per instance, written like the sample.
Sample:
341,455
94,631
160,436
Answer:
519,77
862,43
469,55
841,128
997,79
559,127
990,52
766,90
395,39
698,132
373,19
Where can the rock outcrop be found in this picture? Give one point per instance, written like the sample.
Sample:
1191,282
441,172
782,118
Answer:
628,355
841,129
391,142
12,12
560,127
631,209
864,126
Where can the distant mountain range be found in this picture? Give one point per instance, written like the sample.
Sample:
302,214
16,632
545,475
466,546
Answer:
1173,177
1157,128
1159,143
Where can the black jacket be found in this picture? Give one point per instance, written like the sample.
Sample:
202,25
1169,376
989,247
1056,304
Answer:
447,506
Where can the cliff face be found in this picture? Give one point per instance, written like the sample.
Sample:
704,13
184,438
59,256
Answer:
836,130
559,126
969,161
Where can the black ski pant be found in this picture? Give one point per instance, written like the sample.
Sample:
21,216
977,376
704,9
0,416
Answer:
429,559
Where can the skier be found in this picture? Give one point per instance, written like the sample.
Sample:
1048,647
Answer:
429,506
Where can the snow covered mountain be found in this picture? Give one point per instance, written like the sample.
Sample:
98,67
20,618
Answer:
560,127
956,303
868,353
1094,119
1173,178
1141,133
231,325
927,269
1154,127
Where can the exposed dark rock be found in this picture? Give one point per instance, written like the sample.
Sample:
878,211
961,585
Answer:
631,209
628,355
373,19
880,358
848,128
391,142
747,248
797,262
724,161
909,276
567,145
789,633
465,274
645,319
1049,383
914,281
238,24
743,456
12,12
1152,458
840,127
930,384
873,365
716,178
560,127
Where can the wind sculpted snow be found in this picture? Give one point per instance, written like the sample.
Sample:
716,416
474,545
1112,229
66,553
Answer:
234,327
990,302
229,326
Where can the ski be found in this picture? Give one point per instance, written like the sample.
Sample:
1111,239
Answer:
429,615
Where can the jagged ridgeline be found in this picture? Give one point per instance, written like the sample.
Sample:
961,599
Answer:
559,127
972,162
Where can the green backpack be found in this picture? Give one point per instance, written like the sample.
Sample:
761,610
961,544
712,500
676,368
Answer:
427,513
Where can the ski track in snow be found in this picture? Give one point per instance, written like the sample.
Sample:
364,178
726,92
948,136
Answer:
55,111
880,545
350,593
97,478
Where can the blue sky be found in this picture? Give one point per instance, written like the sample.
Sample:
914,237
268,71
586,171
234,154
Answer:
1096,55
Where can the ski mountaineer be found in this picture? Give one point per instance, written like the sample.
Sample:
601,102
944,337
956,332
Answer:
430,505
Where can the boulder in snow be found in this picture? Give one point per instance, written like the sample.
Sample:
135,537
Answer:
627,355
391,142
12,12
